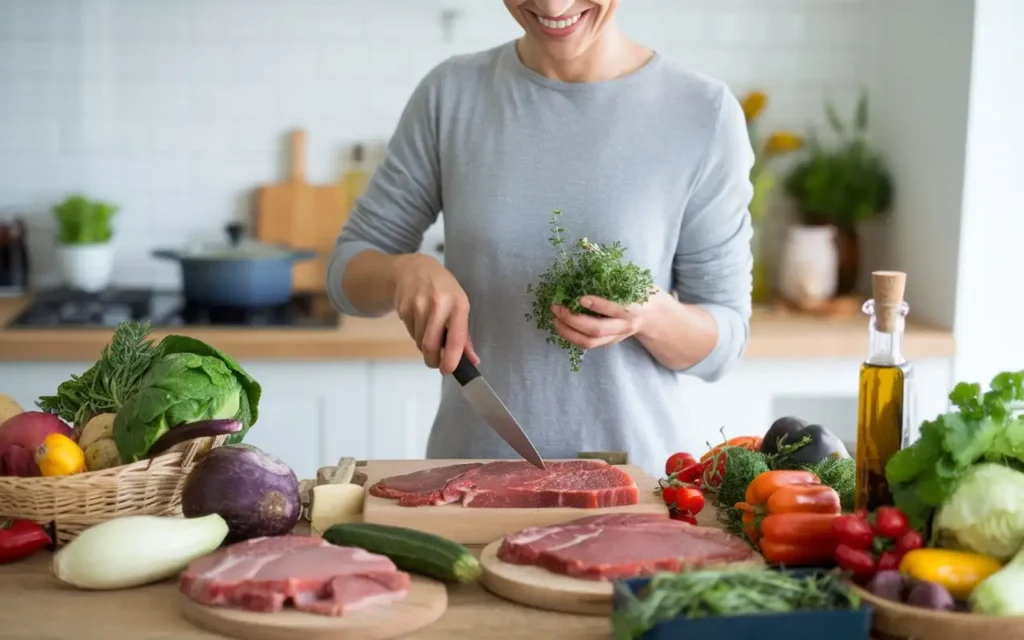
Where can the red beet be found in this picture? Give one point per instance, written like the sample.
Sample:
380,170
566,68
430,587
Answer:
255,492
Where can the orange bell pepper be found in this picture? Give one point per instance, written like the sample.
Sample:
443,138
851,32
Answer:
790,516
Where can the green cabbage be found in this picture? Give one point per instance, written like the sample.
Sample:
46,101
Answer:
985,514
188,381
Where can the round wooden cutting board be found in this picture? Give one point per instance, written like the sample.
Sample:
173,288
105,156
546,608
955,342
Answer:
542,589
425,603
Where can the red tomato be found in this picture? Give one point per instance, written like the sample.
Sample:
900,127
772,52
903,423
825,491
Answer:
690,473
909,541
685,517
690,499
890,522
668,494
677,462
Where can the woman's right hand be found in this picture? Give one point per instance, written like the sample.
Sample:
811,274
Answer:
429,299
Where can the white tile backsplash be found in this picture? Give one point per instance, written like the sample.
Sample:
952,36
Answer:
177,110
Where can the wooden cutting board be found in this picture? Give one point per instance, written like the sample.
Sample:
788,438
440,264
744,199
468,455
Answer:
543,589
425,603
471,526
302,216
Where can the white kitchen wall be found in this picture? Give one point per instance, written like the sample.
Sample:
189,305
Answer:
175,110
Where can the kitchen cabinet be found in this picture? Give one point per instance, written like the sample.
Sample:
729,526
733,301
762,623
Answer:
312,413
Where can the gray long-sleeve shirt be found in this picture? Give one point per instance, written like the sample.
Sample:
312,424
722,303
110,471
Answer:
659,160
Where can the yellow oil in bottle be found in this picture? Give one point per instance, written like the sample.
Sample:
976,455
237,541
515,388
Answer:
880,429
884,407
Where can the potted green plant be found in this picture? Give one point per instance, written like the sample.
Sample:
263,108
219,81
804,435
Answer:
85,252
842,187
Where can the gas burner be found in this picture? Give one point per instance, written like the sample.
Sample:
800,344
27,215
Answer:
302,311
67,307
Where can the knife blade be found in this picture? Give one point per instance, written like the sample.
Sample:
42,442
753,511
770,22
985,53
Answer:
489,406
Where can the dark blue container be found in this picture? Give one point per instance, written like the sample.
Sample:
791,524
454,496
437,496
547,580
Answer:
852,624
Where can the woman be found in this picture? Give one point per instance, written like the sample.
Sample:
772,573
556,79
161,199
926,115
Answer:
572,116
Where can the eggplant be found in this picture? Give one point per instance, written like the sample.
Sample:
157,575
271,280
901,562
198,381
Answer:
821,443
192,430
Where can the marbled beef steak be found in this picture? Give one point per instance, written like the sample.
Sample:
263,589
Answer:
615,546
265,574
585,484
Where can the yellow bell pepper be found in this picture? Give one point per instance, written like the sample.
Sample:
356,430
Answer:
958,571
59,455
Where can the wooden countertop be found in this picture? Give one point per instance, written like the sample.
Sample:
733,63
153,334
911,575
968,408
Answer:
35,606
774,334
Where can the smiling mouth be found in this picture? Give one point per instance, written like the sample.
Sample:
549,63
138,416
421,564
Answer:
560,26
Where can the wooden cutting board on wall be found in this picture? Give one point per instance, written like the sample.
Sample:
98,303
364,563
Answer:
302,216
477,526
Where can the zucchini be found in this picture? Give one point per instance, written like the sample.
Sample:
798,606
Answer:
410,550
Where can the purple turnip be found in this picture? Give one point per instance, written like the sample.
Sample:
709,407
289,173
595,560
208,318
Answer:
29,429
255,492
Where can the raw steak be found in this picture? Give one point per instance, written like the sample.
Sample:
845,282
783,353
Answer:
585,484
264,574
628,545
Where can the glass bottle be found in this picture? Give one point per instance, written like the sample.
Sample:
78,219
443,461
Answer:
884,404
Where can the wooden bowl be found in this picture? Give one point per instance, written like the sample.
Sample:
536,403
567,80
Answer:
899,620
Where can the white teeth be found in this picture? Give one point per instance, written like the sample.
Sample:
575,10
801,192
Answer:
559,24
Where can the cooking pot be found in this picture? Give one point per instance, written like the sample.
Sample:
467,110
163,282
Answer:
241,273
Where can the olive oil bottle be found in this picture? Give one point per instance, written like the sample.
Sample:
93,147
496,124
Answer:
885,396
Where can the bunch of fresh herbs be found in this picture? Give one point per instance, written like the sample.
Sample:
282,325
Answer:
725,592
585,268
983,427
110,382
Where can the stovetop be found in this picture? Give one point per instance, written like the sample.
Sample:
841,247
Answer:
63,308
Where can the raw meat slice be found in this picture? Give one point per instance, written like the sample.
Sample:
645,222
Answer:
426,485
584,484
611,547
265,574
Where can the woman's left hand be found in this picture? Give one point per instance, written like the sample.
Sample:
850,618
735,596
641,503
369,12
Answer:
589,332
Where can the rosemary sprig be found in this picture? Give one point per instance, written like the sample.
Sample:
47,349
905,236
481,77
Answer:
110,382
585,268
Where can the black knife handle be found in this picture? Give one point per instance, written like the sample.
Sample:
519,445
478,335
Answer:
464,372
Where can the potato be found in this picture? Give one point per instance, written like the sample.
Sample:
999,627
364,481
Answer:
102,454
101,427
9,408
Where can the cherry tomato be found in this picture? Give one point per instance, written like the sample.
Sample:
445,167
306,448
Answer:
677,462
690,473
853,531
711,477
668,494
684,516
890,522
909,541
690,499
889,561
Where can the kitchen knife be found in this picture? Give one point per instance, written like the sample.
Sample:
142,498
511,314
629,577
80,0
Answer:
489,406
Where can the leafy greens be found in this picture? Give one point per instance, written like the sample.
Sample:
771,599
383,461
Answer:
153,389
983,427
587,268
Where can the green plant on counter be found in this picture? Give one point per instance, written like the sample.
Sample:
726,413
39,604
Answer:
84,221
845,185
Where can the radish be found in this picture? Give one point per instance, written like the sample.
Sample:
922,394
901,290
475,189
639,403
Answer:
29,429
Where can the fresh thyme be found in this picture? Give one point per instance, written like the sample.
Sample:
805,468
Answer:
585,268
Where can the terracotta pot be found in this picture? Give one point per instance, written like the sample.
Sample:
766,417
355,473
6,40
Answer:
848,247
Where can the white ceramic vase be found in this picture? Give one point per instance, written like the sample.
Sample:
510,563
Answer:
86,267
809,264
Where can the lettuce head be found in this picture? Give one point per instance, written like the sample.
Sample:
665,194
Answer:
188,381
985,514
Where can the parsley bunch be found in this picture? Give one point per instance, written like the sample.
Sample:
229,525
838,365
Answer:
585,268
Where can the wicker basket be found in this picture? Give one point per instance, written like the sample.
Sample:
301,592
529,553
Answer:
71,504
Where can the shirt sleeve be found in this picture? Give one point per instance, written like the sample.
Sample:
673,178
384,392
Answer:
713,265
402,199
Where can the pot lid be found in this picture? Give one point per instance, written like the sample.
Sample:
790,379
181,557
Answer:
236,248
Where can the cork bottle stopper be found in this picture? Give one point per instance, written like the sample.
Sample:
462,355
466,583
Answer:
888,288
